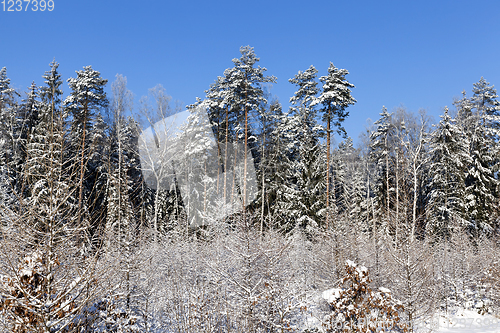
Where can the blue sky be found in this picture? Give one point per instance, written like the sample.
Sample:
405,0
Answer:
420,54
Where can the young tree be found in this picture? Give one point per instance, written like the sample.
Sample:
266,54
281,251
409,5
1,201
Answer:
356,308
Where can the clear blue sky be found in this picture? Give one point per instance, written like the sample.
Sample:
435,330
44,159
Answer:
418,53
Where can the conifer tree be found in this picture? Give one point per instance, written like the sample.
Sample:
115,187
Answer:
51,92
85,101
8,127
247,95
449,160
282,179
220,99
380,154
27,120
477,116
307,185
335,97
268,159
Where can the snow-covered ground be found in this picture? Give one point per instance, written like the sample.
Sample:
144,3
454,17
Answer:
462,321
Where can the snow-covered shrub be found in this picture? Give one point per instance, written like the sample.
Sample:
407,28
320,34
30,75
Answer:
28,300
356,308
106,315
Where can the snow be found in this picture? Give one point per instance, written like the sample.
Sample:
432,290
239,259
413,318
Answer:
384,290
331,295
462,321
350,263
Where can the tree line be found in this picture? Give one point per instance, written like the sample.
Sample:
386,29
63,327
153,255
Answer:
74,202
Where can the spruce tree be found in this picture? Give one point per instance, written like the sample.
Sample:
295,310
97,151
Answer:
449,160
306,155
380,155
477,116
10,153
51,92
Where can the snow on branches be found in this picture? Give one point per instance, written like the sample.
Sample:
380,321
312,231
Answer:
356,308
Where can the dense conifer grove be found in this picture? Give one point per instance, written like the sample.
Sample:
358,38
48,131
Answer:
337,238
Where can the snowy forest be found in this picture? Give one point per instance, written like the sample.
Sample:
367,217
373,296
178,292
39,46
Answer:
384,236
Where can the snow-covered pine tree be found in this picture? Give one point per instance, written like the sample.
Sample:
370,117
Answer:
27,120
44,167
352,191
198,168
85,101
247,96
220,99
29,110
449,160
485,101
136,192
231,101
335,98
49,127
45,145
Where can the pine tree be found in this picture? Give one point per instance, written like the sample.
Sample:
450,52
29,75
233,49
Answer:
247,96
86,99
220,99
231,101
349,188
27,120
197,167
268,160
335,97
